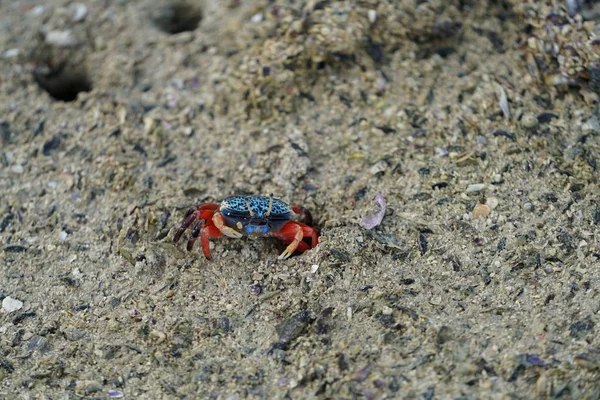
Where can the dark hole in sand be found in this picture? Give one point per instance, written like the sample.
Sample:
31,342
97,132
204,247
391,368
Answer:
64,83
177,17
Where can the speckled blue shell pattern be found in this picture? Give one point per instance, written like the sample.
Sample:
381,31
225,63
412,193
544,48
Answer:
259,205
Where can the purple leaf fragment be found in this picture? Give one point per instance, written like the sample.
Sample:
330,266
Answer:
115,394
370,221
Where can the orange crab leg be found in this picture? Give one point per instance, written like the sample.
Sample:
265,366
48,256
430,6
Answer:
308,231
290,233
293,234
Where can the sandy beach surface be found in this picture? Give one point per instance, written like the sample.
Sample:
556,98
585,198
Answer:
477,121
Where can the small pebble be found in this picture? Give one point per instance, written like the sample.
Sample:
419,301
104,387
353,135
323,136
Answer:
492,202
61,38
18,169
80,11
11,53
497,178
88,386
62,236
529,121
478,187
314,268
255,290
115,394
9,305
52,184
378,167
528,206
38,10
503,100
591,125
256,18
372,14
442,152
481,210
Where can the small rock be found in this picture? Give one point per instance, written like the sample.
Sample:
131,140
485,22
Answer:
580,329
37,343
88,386
528,206
492,202
62,236
61,38
442,152
497,178
74,334
387,310
11,53
293,327
256,18
478,187
115,394
591,125
18,169
378,167
9,305
38,10
372,14
481,210
444,335
529,121
80,11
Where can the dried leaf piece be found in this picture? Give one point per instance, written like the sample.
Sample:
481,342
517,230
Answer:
370,221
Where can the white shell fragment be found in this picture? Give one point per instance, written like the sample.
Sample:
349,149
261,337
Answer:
370,221
501,93
9,305
372,16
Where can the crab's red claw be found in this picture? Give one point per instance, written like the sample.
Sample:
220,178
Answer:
303,211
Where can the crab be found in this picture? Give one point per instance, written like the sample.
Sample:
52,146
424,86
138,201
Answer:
252,217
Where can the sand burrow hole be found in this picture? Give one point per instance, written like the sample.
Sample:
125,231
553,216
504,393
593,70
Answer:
177,17
63,82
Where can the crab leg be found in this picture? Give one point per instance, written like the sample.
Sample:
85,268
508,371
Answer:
206,230
293,231
209,231
310,232
203,211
